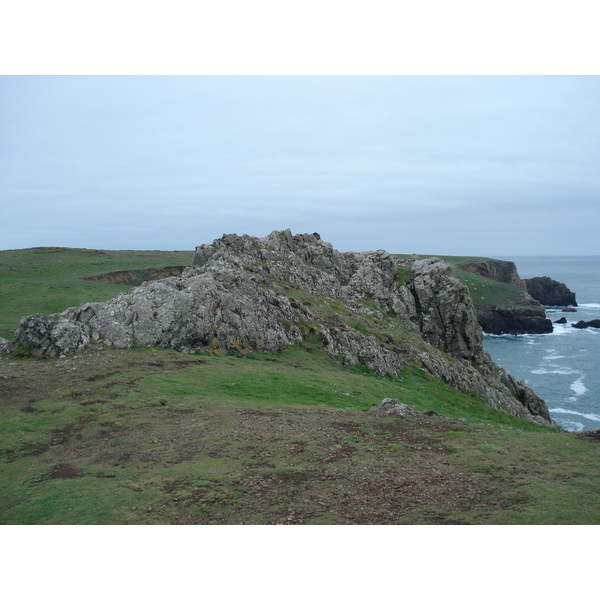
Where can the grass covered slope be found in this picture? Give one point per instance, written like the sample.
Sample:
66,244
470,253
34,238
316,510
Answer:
152,436
49,280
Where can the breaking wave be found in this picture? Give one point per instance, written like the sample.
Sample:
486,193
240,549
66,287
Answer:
566,411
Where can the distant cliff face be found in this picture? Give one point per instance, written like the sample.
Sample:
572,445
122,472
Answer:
246,294
503,271
524,314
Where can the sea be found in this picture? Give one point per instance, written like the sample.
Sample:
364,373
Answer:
562,367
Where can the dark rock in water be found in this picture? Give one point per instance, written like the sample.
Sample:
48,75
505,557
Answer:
561,321
514,319
586,324
550,292
569,309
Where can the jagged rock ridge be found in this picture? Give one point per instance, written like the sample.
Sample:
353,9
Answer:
248,294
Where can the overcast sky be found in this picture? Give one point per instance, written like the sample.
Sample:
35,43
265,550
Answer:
467,165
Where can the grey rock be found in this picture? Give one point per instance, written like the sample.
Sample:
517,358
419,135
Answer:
4,346
392,407
444,310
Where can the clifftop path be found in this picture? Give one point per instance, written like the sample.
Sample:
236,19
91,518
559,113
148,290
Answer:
245,294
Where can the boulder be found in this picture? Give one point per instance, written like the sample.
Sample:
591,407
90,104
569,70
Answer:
569,309
392,407
561,321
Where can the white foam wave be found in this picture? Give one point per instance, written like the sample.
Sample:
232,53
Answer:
565,411
578,387
565,371
590,305
553,356
571,425
509,336
563,329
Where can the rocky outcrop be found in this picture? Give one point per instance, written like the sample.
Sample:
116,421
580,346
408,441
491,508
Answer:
514,320
585,324
246,294
550,292
4,346
444,309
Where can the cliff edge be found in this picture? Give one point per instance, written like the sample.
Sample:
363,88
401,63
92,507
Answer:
504,305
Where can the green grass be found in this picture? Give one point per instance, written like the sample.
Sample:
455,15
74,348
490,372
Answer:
488,292
49,280
484,292
169,438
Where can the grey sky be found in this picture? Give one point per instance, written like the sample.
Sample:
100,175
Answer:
491,166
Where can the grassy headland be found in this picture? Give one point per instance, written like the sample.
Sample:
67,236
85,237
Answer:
483,291
151,436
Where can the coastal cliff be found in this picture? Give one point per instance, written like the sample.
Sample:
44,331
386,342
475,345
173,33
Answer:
244,294
506,306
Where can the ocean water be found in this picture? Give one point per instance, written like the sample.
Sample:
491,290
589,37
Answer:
562,367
